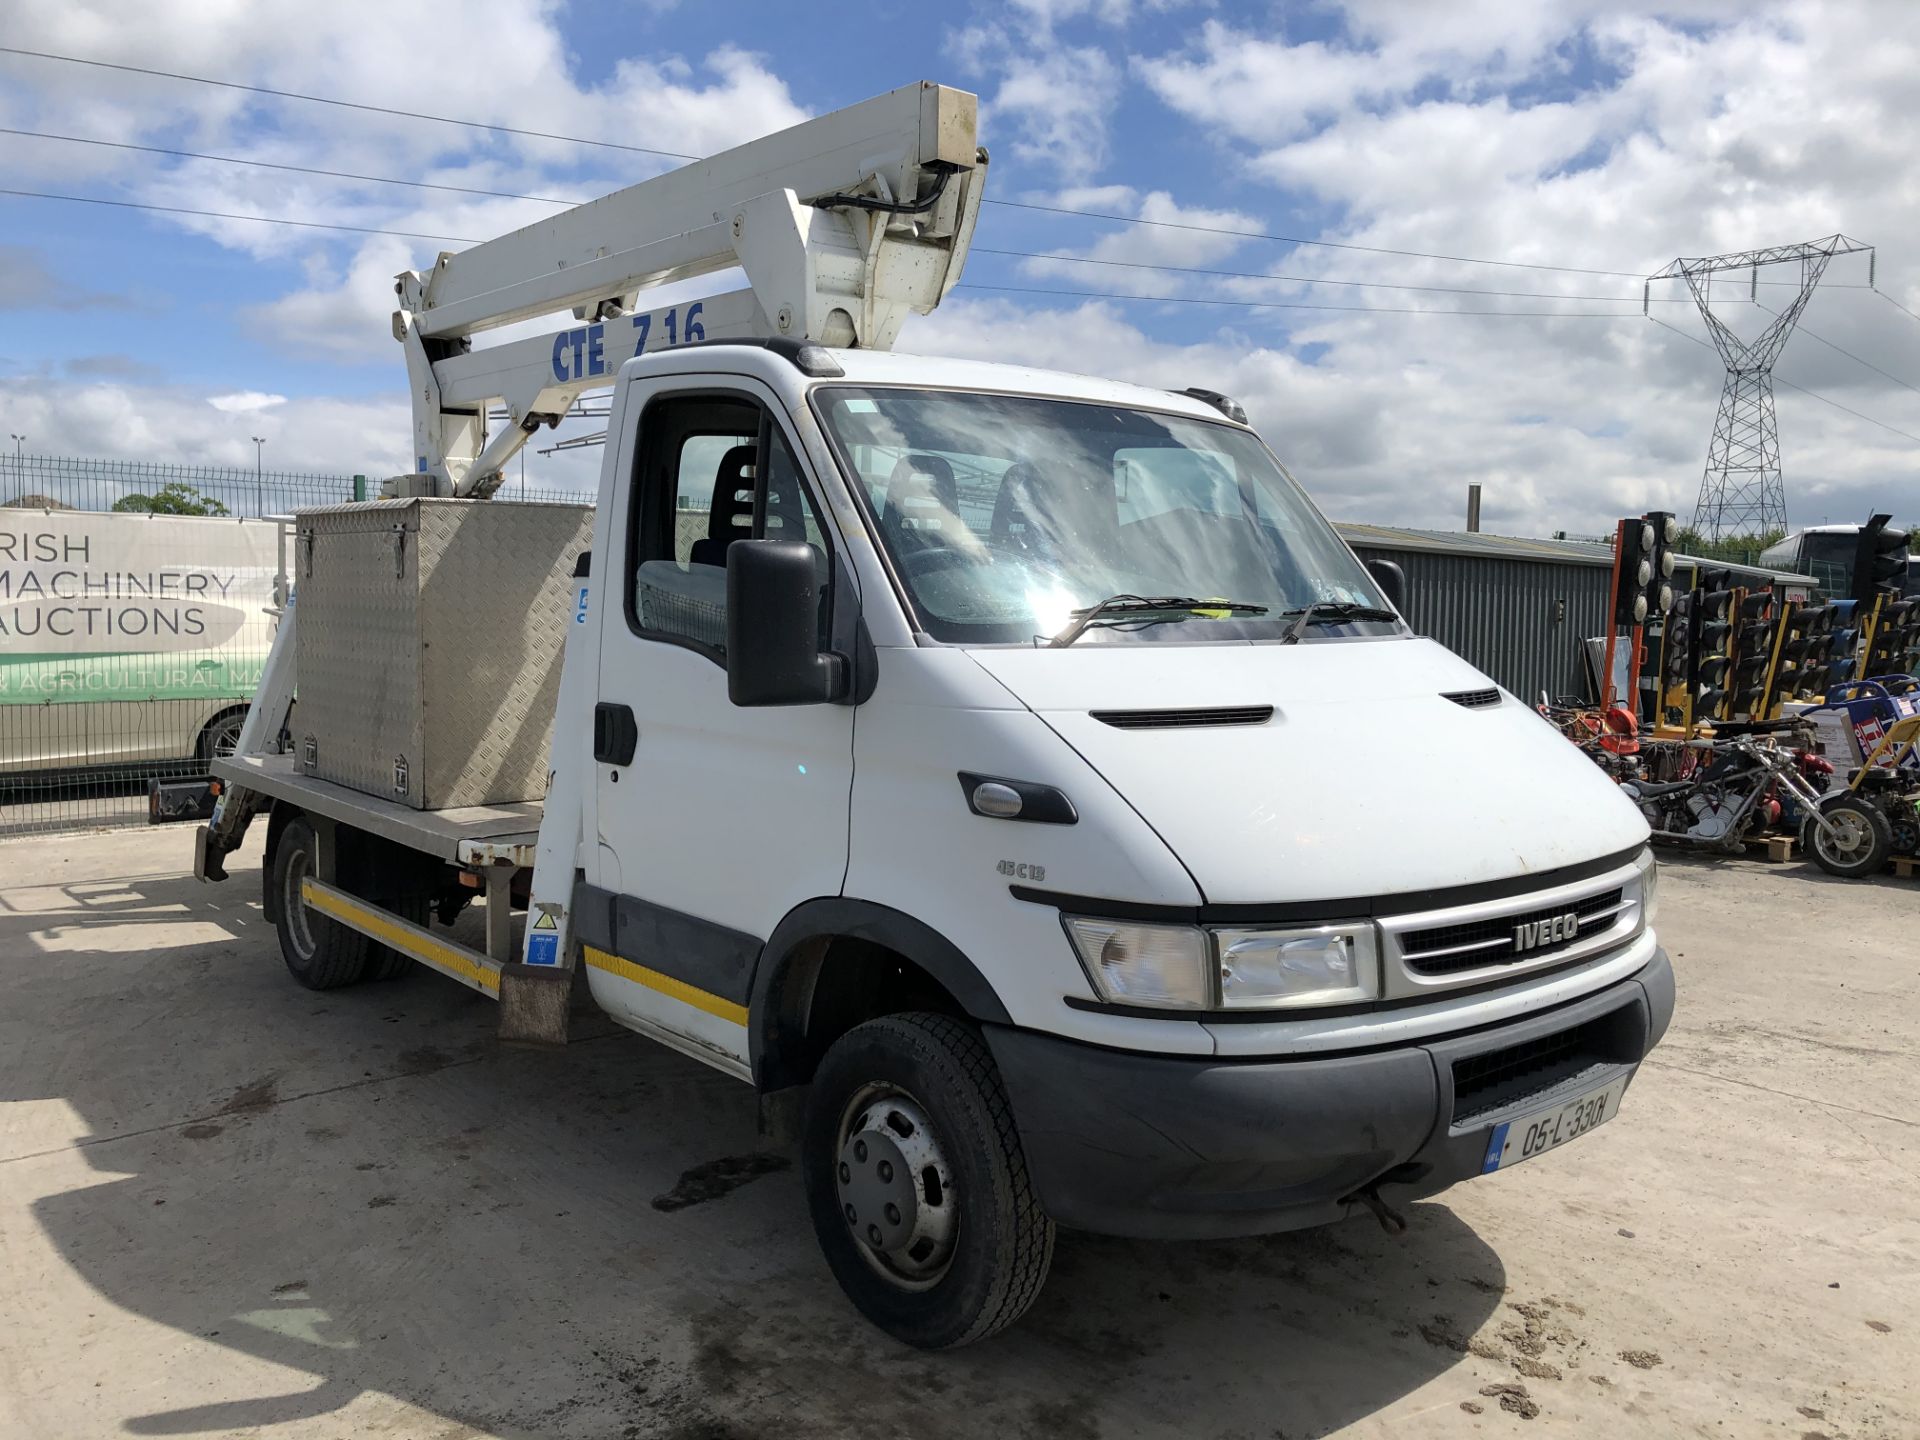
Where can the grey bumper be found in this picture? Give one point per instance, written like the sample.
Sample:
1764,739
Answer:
1164,1148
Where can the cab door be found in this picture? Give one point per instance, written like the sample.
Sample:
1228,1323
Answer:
713,820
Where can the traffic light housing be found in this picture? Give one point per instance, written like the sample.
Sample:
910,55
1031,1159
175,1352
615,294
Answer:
1880,557
1711,644
1752,652
1644,579
1892,636
1814,660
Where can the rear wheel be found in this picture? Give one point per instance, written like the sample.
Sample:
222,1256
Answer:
383,961
321,953
1861,840
917,1184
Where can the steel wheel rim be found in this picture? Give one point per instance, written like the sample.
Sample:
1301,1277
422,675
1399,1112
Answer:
294,905
884,1125
1851,837
226,739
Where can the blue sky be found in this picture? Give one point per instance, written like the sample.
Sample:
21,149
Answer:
1573,133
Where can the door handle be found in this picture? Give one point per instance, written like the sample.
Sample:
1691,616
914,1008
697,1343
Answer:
615,733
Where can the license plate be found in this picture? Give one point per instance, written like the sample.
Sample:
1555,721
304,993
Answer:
1535,1134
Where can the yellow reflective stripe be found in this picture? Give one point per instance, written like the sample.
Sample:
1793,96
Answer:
370,921
666,985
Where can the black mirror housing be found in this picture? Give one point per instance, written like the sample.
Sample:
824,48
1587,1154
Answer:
1392,581
773,653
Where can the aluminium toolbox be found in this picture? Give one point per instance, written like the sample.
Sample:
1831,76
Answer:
430,634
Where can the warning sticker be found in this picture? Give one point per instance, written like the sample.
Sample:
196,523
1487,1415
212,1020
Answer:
545,921
543,948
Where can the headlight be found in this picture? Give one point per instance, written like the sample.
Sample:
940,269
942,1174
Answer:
1182,967
1320,965
1649,888
1164,966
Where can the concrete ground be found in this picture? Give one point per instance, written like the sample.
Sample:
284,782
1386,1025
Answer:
229,1206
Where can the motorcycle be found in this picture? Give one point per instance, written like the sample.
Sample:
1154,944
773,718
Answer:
1610,738
1742,789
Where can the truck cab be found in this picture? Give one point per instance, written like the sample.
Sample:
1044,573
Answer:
1202,896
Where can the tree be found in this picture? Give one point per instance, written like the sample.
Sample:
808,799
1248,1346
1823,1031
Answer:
172,498
1736,549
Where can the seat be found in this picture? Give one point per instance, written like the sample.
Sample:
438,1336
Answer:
922,506
1013,526
730,517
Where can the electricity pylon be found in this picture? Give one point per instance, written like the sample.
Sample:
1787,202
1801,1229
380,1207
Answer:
1742,492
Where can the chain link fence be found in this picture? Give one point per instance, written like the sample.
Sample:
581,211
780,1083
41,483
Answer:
136,613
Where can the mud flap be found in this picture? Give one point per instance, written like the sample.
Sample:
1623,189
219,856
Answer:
535,1001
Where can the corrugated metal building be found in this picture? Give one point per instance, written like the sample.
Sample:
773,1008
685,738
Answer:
1517,609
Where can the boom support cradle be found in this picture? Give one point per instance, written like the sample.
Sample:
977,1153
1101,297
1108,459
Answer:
844,225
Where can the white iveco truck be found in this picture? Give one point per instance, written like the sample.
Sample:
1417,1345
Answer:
1009,774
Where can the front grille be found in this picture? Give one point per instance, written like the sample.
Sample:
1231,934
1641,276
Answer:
1177,719
1449,949
1489,1082
1472,699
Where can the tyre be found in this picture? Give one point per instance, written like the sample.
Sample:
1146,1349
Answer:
917,1185
1903,821
221,737
320,953
1861,842
383,961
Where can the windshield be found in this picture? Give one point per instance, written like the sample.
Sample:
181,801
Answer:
1005,514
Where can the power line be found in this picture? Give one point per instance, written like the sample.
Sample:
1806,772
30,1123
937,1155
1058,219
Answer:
344,104
1906,434
278,165
1301,240
1306,279
1851,356
225,215
1291,304
1896,305
1005,289
678,155
359,177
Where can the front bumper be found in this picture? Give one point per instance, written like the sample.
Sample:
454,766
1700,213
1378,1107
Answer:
1167,1148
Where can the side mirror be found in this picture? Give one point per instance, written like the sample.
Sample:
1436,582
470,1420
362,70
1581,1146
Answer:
1391,579
773,600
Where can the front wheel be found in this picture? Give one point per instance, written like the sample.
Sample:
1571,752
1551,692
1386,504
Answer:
1861,840
917,1184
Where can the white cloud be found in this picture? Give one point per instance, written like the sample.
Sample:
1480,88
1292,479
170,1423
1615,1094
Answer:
1565,132
245,402
1055,100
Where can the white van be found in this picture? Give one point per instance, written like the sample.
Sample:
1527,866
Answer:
128,639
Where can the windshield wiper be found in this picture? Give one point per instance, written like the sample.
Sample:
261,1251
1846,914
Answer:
1164,607
1331,612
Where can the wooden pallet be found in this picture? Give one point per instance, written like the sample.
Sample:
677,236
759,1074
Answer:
1907,867
1778,848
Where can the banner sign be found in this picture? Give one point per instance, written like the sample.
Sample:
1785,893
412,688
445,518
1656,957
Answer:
105,606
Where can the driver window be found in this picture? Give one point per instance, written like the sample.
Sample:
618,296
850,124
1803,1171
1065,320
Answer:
699,484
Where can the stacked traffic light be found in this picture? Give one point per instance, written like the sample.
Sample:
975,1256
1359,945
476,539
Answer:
1710,643
1753,646
1644,574
1895,637
1806,657
1676,661
1879,562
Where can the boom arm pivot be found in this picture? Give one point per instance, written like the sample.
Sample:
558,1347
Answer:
844,225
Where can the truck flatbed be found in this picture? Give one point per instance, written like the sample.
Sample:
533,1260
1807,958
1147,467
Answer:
467,835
